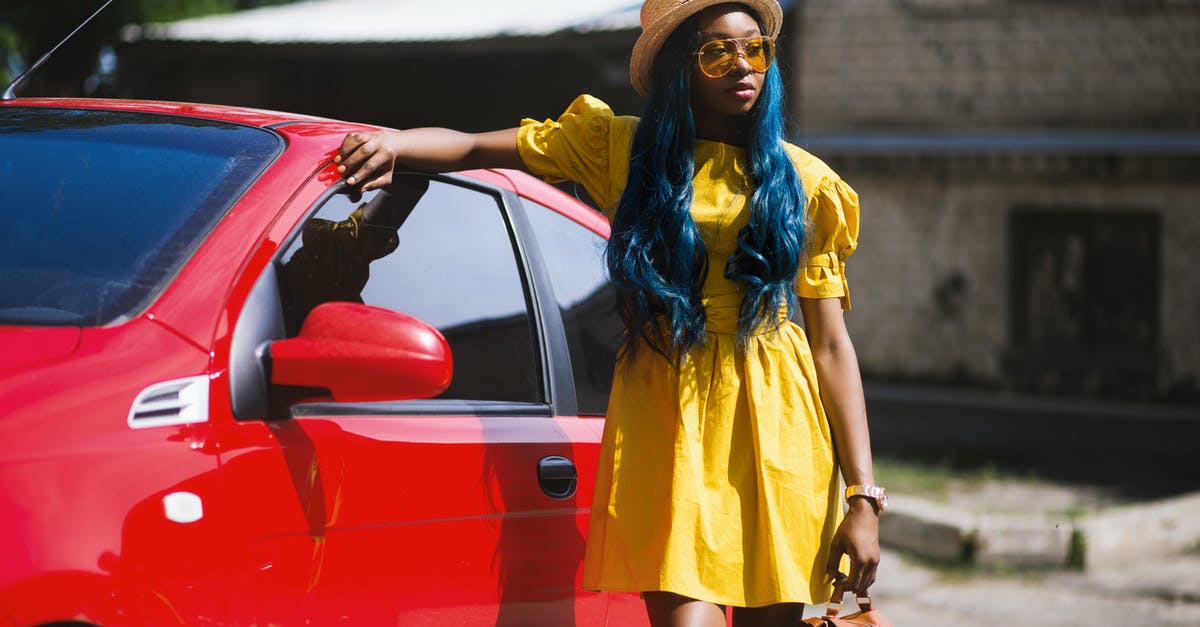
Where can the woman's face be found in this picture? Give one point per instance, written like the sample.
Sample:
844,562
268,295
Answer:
736,92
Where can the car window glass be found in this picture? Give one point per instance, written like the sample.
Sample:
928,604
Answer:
433,250
575,260
101,208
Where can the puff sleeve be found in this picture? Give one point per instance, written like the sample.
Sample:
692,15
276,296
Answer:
574,147
833,236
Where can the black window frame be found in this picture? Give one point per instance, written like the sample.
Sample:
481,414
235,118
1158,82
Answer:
551,354
556,303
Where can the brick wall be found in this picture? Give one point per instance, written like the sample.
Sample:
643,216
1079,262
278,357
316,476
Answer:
997,64
931,281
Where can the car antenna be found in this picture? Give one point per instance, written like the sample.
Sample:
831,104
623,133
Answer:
10,93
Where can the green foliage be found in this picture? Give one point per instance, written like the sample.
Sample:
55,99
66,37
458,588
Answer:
171,10
9,40
931,480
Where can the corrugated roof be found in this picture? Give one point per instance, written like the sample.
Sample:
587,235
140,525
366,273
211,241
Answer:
382,21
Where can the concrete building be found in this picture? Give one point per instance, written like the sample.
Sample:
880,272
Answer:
1030,173
1029,170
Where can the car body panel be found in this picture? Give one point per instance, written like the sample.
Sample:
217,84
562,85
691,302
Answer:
90,489
328,516
194,300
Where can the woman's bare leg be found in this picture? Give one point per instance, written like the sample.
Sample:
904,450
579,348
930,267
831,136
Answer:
778,615
667,609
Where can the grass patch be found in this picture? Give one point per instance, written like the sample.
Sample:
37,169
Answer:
932,480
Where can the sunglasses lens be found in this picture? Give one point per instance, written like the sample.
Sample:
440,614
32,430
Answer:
760,52
717,57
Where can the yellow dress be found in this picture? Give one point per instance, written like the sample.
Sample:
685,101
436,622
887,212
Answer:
717,481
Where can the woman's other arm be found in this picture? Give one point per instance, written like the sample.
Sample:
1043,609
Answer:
842,396
369,158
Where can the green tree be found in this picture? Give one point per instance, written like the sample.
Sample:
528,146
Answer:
30,28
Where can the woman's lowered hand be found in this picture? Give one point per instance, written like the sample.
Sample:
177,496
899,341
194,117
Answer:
857,537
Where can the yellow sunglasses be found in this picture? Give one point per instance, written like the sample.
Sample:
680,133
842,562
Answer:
716,58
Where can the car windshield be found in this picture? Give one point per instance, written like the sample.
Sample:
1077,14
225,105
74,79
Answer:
101,208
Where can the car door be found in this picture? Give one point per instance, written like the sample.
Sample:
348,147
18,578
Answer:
468,508
572,256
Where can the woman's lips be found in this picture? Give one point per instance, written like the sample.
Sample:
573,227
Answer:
743,90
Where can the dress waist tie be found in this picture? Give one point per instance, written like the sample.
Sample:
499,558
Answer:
721,314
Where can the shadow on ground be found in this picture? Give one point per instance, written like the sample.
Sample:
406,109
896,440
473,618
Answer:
1137,451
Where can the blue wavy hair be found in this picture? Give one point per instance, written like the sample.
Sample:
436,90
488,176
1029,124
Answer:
656,258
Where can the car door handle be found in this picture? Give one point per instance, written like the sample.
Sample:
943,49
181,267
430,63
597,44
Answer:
557,477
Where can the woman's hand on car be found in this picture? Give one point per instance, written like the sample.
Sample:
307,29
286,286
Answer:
368,158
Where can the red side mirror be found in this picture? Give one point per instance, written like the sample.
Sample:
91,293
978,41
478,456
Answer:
362,353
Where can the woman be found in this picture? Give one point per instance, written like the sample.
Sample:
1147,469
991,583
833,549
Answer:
718,480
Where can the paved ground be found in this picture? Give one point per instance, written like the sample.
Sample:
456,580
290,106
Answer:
919,596
1161,591
1165,593
1025,436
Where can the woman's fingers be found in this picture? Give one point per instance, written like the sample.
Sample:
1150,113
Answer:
869,576
833,565
862,573
350,143
360,164
858,538
366,157
379,178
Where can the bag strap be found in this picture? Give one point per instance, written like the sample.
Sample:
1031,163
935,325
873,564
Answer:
834,607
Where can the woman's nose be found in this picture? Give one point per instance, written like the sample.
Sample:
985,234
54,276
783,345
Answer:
741,66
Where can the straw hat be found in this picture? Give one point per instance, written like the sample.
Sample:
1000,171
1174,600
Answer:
660,18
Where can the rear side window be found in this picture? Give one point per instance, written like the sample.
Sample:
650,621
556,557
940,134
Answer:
433,250
575,259
101,208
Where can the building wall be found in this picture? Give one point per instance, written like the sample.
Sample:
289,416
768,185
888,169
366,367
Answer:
472,86
998,64
931,280
933,291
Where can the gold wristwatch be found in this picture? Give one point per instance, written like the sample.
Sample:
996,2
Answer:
876,494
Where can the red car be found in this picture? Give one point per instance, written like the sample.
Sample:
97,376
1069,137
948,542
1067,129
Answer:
237,393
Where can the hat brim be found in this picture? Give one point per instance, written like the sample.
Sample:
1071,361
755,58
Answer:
645,49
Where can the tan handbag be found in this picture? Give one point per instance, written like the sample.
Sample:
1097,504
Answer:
866,616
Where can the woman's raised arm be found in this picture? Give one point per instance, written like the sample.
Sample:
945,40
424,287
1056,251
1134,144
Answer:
369,158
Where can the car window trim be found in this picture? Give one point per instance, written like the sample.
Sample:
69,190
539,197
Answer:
423,407
560,313
556,355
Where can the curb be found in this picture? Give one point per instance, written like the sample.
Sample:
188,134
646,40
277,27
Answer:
1041,541
1130,533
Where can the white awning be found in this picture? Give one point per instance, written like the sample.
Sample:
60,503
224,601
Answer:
382,21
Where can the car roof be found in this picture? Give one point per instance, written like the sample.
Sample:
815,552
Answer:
238,115
318,136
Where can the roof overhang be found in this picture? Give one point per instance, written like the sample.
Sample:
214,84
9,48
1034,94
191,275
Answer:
396,21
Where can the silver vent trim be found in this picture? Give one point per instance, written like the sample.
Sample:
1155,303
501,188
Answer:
176,402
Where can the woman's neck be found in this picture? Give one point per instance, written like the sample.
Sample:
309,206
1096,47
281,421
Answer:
722,128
